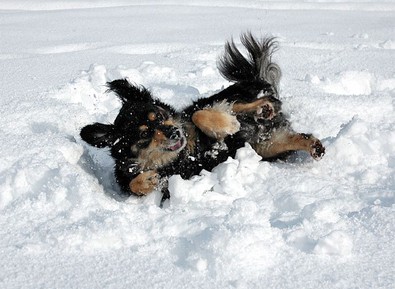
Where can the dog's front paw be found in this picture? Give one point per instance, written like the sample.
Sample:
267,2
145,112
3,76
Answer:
216,122
144,183
317,150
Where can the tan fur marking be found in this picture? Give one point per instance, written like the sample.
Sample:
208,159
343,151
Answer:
152,157
144,183
169,122
190,132
159,137
143,127
152,116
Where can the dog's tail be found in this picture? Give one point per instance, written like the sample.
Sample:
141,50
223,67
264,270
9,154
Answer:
257,65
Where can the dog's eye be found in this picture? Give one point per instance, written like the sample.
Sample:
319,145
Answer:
144,134
159,117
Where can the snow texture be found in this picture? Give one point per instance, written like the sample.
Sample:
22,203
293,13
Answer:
246,224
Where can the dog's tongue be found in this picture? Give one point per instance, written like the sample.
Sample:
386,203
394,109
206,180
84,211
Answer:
176,146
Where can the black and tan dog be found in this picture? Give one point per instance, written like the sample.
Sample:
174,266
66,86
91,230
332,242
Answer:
150,141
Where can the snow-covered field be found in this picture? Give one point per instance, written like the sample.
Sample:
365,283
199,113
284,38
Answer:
247,224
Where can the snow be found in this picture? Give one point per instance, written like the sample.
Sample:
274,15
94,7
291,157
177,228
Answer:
246,224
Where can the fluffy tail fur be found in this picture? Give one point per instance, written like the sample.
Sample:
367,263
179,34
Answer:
256,66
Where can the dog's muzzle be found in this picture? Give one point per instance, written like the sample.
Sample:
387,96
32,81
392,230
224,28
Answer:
176,134
176,139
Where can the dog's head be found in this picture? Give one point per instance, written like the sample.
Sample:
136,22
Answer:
145,130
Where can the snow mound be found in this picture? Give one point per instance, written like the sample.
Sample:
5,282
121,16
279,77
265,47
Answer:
389,44
335,243
350,83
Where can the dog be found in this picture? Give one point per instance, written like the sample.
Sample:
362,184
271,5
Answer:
150,141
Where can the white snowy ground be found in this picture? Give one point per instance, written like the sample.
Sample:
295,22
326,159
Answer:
247,224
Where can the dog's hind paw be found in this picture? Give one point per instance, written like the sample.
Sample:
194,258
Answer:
265,111
317,150
261,109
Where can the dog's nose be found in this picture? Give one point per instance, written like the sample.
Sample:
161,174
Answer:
175,134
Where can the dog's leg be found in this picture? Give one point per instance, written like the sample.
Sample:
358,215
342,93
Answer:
261,108
144,183
285,141
216,121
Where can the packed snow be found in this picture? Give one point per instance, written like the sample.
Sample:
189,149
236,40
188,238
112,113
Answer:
246,224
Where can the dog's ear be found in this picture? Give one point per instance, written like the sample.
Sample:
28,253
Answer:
99,135
129,92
